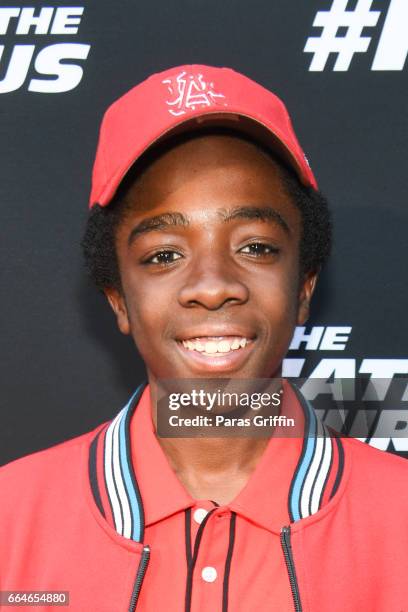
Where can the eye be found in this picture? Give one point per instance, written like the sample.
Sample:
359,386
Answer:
163,257
259,249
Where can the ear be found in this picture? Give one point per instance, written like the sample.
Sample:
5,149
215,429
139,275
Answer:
118,305
307,288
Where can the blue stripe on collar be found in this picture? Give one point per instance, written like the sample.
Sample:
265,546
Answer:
322,456
316,461
121,485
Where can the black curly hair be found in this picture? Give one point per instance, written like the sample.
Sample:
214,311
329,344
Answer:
98,243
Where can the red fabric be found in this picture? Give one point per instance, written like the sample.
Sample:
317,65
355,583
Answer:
262,501
351,555
171,98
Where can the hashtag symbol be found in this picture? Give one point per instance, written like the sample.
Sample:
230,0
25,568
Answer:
345,46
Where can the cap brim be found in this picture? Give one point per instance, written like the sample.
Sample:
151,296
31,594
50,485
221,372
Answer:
237,121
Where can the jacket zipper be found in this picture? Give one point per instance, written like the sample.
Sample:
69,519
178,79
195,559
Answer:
290,565
141,570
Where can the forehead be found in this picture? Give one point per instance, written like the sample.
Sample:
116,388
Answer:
207,170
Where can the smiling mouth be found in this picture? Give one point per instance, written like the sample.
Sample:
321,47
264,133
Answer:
216,346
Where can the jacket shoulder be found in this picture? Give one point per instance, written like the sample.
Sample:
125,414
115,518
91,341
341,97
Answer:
377,472
368,453
41,465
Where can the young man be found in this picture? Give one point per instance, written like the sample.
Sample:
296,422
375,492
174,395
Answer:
206,234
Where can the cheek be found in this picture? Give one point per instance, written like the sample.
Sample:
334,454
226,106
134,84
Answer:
143,315
278,298
148,312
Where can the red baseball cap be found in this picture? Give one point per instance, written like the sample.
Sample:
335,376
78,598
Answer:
185,98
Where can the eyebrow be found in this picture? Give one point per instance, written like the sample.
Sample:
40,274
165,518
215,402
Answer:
158,223
263,213
176,219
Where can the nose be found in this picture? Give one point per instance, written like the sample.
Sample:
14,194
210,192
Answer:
212,283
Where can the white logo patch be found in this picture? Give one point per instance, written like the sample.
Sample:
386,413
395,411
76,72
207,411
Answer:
190,91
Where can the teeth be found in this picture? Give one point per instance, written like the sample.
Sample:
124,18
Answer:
210,347
224,346
215,347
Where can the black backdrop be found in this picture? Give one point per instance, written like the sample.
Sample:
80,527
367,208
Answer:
64,366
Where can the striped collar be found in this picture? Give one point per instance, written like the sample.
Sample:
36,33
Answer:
320,467
305,472
113,481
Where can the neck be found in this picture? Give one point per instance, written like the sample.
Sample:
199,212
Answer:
211,468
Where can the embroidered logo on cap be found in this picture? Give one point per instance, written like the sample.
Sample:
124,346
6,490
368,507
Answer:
191,91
